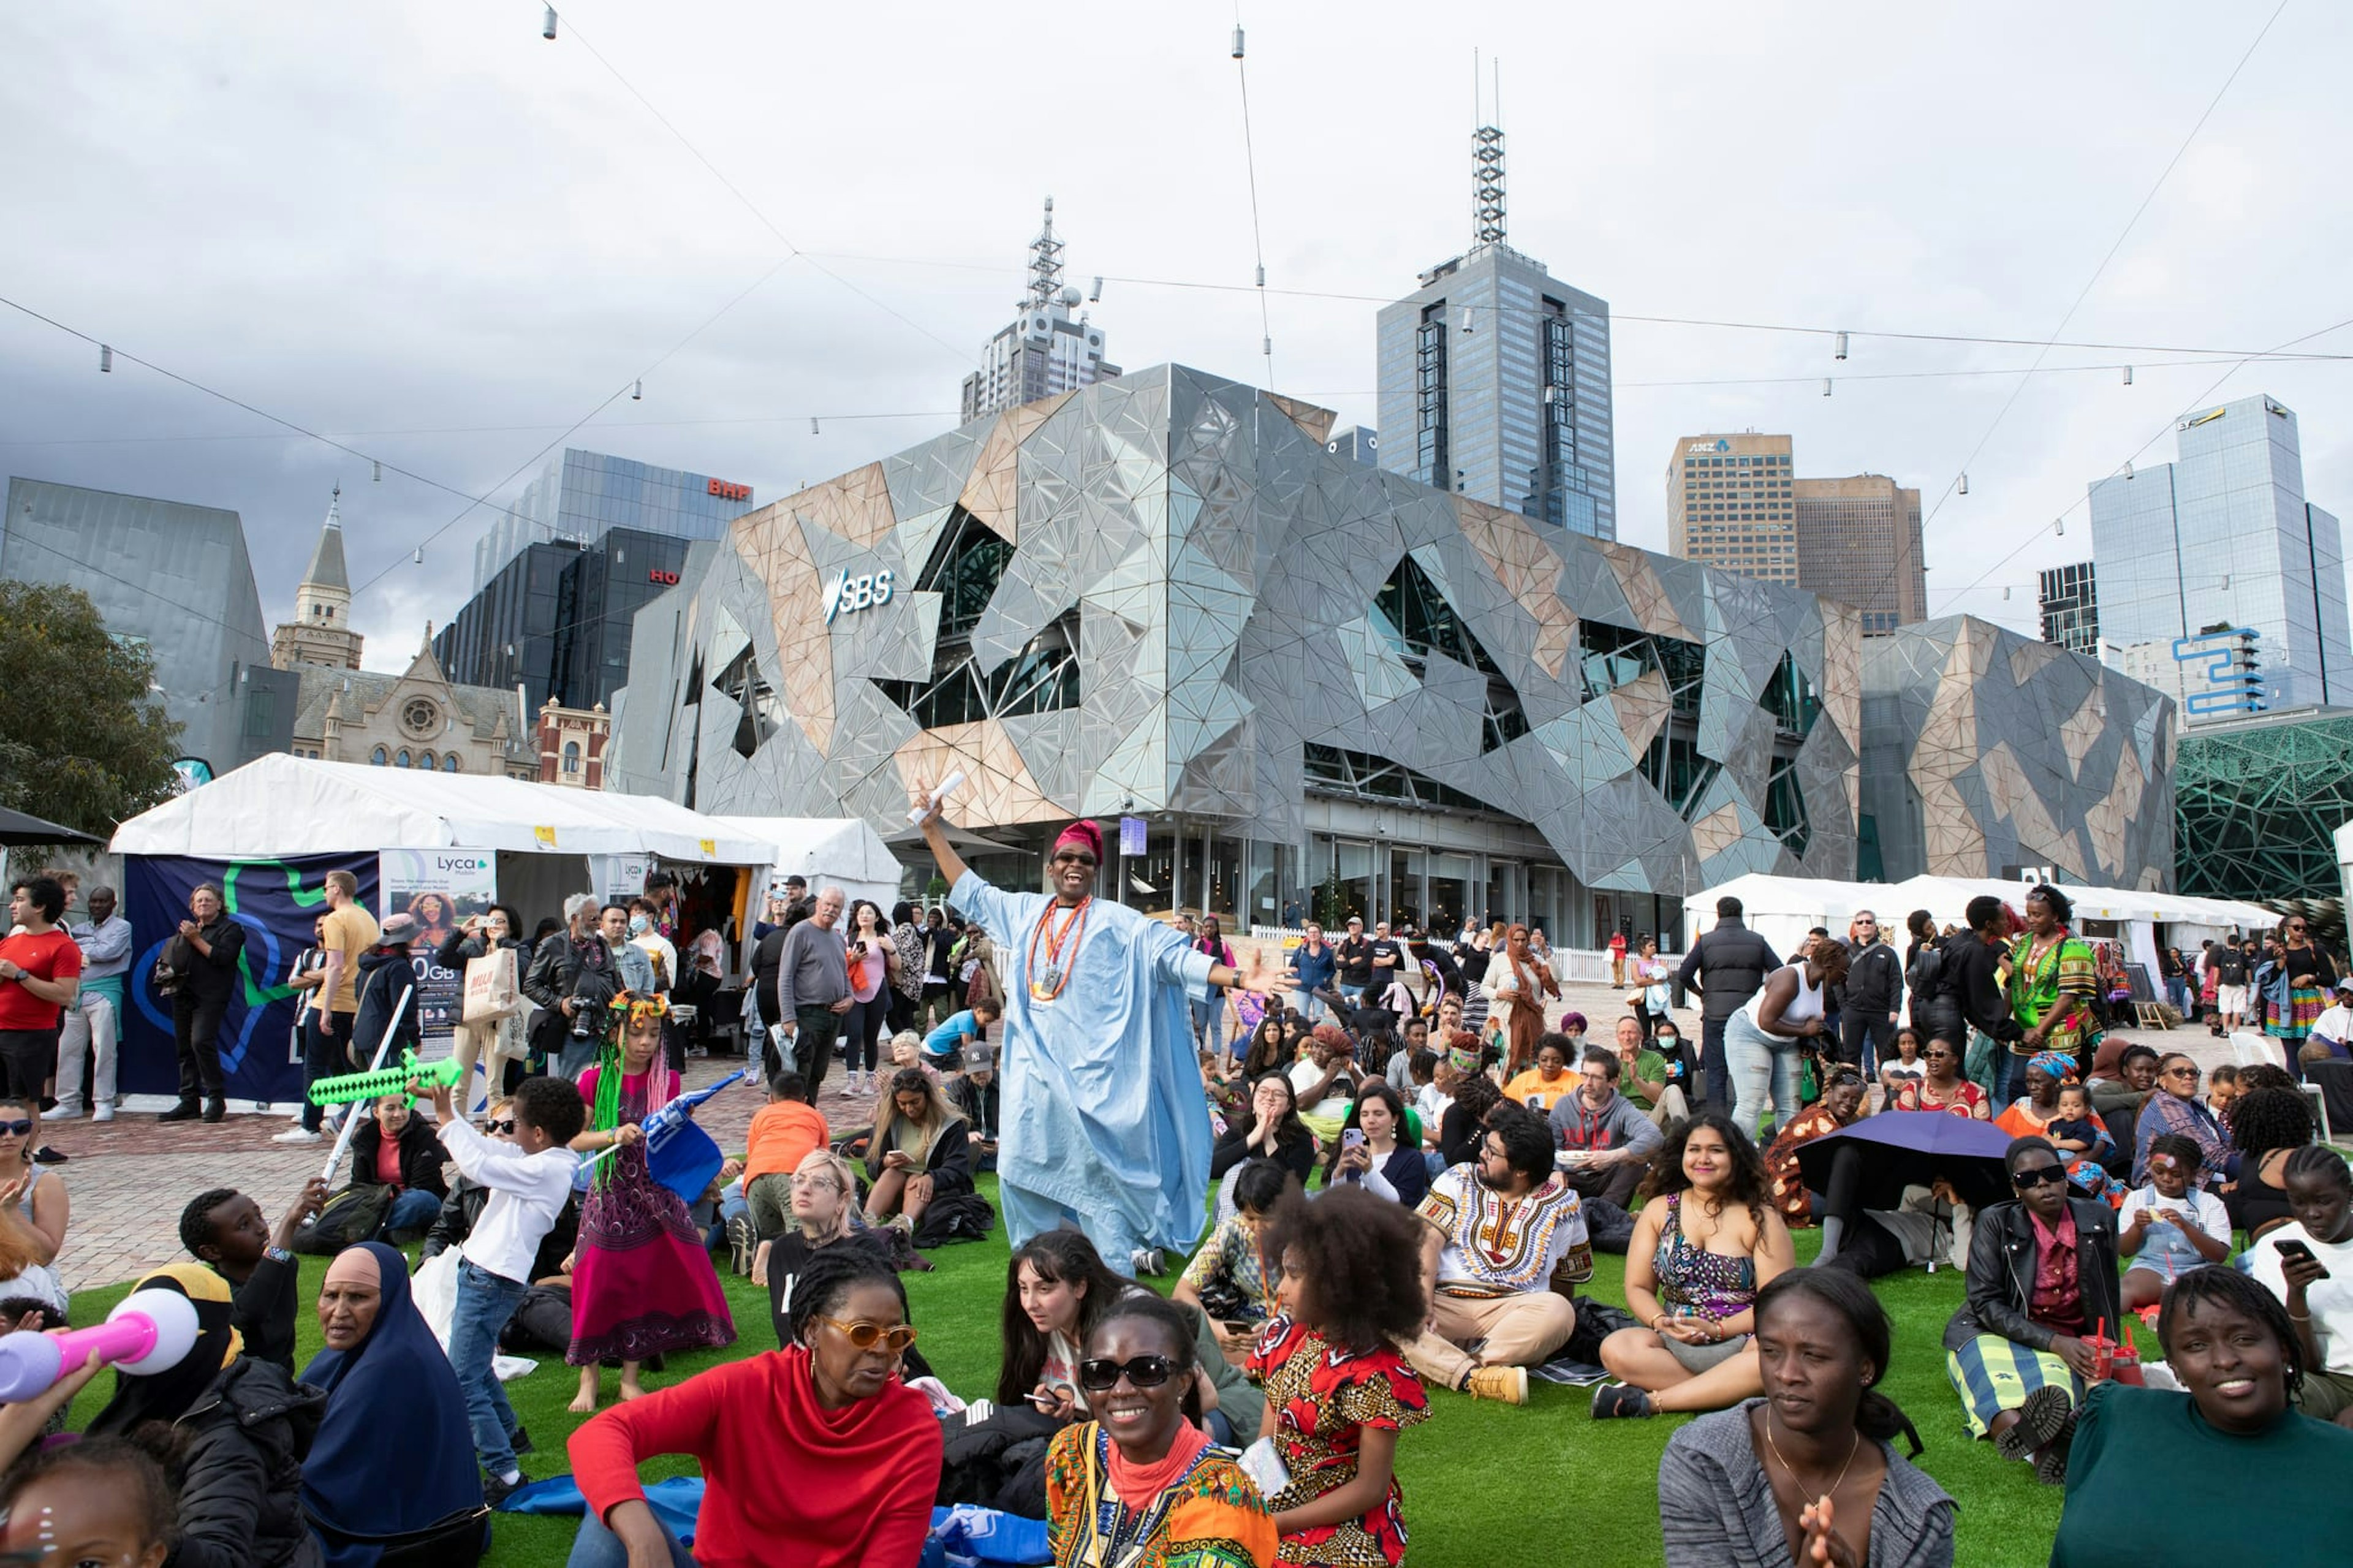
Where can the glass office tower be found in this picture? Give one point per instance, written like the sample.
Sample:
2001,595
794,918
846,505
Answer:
2224,537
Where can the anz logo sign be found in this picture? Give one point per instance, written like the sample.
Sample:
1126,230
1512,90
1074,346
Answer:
846,594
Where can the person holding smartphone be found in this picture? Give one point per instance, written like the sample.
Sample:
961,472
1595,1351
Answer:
2308,1265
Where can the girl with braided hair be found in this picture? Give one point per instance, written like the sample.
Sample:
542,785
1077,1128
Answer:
642,1282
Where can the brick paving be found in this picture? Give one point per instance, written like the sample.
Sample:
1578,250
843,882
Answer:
129,1178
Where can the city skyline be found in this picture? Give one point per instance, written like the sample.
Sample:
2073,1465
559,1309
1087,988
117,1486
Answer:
461,280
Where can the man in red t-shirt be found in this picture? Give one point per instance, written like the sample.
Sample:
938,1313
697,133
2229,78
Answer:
40,972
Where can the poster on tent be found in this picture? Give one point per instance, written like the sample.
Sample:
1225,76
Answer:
277,904
620,878
443,889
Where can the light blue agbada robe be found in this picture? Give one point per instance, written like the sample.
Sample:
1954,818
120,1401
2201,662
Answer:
1104,1117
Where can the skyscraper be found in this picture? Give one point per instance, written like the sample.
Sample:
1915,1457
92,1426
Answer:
2223,538
1733,501
1859,542
1045,351
1494,377
2069,599
1729,505
581,494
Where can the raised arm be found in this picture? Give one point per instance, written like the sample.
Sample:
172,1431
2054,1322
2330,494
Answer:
935,838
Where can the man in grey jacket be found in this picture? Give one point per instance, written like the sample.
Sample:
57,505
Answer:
813,987
92,1020
1607,1138
1726,966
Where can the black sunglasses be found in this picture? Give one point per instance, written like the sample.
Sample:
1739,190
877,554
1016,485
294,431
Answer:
17,1128
1101,1376
2040,1176
494,1127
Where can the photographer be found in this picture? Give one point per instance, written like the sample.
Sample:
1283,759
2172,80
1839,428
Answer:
574,976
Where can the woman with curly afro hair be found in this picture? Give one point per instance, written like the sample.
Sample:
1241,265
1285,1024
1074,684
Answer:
2267,1125
1337,1391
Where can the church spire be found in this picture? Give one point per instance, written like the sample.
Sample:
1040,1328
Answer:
321,631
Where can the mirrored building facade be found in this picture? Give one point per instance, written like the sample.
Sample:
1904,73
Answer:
1317,686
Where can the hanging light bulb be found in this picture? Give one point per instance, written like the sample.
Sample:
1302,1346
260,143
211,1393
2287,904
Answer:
1094,295
2059,526
421,555
1841,352
105,360
547,28
1965,484
637,391
813,425
378,475
1826,386
2005,593
1267,347
1237,41
1261,274
2128,470
2127,375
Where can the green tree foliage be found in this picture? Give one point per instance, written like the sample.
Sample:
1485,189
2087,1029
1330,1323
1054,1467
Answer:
83,741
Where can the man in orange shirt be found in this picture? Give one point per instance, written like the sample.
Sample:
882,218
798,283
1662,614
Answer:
782,1133
346,932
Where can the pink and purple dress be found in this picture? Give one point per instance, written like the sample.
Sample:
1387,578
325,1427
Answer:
642,1283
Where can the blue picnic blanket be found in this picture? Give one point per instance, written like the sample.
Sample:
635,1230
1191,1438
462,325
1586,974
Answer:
962,1537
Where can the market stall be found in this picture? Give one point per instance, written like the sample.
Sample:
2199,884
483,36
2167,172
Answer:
441,847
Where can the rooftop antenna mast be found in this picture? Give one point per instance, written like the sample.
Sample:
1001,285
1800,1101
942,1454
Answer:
1487,168
1045,264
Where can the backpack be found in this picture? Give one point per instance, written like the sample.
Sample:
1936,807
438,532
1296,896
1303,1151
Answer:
352,1216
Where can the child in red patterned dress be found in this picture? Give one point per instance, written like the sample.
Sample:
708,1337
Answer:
1337,1391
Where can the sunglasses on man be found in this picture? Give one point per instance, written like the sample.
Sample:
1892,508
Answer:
2038,1176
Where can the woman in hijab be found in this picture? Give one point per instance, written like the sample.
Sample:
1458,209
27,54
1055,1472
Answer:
391,1472
245,1427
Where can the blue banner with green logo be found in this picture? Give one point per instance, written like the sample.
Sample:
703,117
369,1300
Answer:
277,903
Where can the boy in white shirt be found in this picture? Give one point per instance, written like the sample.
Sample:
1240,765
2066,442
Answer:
529,1180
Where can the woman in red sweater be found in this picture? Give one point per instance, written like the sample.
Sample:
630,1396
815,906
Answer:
818,1444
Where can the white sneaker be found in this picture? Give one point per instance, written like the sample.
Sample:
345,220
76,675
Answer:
105,1111
63,1111
1146,1260
297,1135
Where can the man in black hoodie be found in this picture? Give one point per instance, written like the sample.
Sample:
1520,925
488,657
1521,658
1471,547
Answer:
1972,957
1870,999
1726,966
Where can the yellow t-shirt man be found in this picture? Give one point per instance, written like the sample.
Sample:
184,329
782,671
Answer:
350,930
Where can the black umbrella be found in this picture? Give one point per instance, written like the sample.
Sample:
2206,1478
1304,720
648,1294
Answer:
16,827
1902,1149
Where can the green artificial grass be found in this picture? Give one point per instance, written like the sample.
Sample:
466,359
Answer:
1484,1483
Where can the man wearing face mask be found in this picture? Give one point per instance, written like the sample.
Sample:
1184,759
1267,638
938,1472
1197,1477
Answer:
632,962
645,934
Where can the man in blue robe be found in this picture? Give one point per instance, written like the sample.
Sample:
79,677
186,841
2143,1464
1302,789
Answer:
1105,1123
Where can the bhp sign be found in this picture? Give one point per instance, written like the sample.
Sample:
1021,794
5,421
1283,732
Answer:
726,491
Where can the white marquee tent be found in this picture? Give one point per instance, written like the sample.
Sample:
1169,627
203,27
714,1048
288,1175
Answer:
1783,908
281,805
839,851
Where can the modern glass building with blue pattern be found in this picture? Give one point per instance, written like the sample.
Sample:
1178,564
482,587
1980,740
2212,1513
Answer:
2224,538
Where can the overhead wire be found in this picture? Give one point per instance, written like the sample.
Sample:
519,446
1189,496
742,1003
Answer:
1959,484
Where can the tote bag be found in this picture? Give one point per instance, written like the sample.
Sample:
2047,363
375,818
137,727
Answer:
491,991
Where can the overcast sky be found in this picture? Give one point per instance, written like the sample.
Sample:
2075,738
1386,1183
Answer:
425,229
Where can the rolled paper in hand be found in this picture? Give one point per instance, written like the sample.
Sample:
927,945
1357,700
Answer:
936,796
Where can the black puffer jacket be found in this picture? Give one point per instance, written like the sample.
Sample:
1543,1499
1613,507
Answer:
1726,966
421,1155
241,1486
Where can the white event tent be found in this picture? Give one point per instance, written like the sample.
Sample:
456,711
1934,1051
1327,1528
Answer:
1783,908
844,852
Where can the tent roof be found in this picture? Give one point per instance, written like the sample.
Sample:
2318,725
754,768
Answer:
281,805
1946,897
843,847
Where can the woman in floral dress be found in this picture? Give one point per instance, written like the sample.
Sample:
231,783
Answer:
1337,1391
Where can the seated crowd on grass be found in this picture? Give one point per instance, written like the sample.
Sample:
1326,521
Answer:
1400,1222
